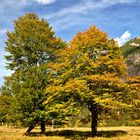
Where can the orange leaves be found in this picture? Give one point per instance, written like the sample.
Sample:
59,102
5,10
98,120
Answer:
91,70
96,52
106,77
55,66
134,85
92,37
134,79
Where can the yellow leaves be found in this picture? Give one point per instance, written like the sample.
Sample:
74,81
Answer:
92,52
102,102
91,70
134,87
55,66
75,85
110,102
106,77
91,37
53,89
134,82
134,79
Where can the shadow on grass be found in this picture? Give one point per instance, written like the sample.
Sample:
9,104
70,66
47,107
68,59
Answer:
79,135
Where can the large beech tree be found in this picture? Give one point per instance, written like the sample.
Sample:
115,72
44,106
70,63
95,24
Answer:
90,73
30,46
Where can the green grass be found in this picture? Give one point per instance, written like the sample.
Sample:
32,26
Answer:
104,133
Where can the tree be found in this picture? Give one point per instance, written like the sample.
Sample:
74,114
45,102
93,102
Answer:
31,46
91,74
7,106
134,92
131,52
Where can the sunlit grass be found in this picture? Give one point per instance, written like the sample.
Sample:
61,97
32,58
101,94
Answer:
105,133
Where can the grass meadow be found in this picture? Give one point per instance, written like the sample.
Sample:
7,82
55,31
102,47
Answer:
104,133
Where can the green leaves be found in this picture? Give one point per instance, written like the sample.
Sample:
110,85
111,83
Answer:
31,46
31,43
52,81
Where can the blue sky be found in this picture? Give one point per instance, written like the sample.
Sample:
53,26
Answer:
119,18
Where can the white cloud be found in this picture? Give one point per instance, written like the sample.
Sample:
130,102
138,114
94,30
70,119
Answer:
2,31
123,38
88,5
125,35
83,7
45,1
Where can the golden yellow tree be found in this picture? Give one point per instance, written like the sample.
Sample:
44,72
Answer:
90,73
134,92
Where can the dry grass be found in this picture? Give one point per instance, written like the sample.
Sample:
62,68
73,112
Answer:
105,133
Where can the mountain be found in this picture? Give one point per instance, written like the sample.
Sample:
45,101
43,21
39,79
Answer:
131,51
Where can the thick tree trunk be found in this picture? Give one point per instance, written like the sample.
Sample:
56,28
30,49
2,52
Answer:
42,126
31,127
93,108
94,123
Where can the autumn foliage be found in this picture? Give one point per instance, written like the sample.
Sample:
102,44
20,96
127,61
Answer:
52,80
91,73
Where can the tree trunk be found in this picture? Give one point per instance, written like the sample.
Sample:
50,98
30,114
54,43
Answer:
93,108
42,126
94,123
31,127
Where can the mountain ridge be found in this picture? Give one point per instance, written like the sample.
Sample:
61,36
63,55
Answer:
131,52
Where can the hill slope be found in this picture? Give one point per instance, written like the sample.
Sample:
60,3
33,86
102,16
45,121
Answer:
131,51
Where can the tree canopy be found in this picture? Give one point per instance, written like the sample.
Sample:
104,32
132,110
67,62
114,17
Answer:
53,80
31,46
91,73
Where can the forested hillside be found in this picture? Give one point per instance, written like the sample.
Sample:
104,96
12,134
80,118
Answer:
131,52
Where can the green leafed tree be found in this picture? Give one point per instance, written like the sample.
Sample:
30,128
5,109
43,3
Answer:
30,46
7,106
91,74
